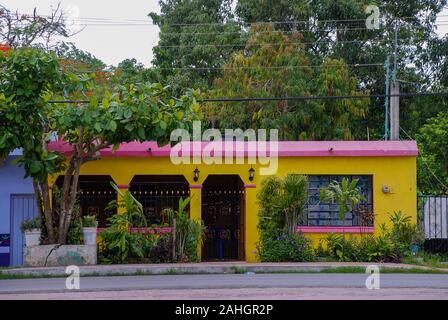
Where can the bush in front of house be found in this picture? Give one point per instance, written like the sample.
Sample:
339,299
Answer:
286,248
120,244
390,245
282,202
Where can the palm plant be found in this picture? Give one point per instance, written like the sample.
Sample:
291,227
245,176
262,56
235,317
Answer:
292,200
346,194
186,230
118,235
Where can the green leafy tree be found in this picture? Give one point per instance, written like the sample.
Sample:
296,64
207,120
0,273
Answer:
276,65
337,29
30,78
433,156
196,39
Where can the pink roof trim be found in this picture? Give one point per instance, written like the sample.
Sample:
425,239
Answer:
285,149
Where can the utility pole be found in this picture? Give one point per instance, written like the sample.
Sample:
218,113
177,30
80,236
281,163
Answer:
386,100
394,98
394,111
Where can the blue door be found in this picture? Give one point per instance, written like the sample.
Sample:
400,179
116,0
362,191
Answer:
23,207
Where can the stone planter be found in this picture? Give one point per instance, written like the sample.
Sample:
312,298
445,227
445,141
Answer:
32,237
89,235
59,255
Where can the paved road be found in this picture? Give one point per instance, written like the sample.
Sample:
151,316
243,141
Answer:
232,286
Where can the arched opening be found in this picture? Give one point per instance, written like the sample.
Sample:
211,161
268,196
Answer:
157,193
223,204
94,194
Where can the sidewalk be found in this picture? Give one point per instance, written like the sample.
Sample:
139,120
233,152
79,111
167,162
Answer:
205,268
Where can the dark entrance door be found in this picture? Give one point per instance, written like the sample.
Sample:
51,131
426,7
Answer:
223,216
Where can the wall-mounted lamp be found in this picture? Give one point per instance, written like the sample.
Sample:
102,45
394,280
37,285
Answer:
196,174
251,174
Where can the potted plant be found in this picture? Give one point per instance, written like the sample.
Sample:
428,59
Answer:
89,226
31,229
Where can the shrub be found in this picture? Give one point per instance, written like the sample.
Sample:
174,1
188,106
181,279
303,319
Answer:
162,251
404,233
74,235
30,224
189,232
89,222
286,248
389,246
282,203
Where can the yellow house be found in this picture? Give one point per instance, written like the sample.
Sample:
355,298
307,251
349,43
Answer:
224,193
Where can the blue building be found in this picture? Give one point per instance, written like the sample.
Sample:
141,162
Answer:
16,204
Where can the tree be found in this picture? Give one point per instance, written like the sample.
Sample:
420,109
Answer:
433,158
194,41
276,65
30,77
23,30
336,29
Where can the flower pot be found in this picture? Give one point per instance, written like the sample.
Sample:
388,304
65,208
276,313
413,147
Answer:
32,237
89,235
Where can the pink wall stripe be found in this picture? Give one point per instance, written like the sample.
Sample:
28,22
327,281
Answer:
285,149
195,186
248,186
325,229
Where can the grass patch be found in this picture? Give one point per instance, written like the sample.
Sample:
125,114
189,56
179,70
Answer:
383,270
233,270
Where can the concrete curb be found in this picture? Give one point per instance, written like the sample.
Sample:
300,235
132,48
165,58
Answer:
202,268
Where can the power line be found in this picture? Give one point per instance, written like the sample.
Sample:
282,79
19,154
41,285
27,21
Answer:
364,65
342,97
274,44
295,22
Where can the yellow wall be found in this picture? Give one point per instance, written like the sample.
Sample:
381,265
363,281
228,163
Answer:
399,173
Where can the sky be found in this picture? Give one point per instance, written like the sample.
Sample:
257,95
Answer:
115,43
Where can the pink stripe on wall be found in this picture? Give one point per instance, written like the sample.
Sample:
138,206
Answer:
283,149
157,230
325,229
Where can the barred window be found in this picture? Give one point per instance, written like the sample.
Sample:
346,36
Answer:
319,213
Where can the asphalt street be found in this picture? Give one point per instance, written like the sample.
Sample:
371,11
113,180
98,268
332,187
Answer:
236,286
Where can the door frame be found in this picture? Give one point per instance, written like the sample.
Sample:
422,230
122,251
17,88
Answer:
241,247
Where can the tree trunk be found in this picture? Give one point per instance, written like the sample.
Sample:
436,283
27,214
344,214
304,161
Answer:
71,202
42,194
65,199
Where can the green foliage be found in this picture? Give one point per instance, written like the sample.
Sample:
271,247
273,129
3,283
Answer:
404,233
282,203
28,225
89,222
433,159
27,78
390,245
286,248
119,242
116,113
273,64
75,235
188,30
346,194
189,232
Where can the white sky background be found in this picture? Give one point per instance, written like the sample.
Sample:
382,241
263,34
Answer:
113,44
